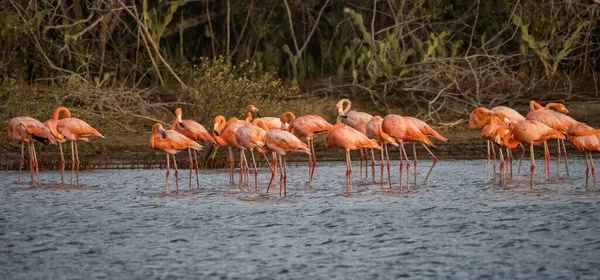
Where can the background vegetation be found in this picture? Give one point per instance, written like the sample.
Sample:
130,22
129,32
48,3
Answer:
126,64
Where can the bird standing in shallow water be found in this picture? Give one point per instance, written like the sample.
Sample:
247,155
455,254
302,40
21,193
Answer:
427,130
348,138
195,131
530,132
244,137
224,134
373,131
307,127
358,121
171,142
51,124
27,129
586,139
74,129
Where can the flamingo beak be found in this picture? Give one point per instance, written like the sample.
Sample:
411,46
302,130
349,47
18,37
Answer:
258,114
164,134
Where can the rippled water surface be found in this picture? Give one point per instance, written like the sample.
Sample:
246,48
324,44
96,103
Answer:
124,226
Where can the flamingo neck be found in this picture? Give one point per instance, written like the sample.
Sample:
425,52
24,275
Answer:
64,110
260,123
509,141
287,117
533,106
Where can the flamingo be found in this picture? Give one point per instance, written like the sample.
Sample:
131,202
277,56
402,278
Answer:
171,142
490,133
27,129
244,136
348,138
373,129
547,119
224,134
74,129
556,120
195,131
481,117
531,132
269,122
586,139
357,120
403,130
281,142
51,124
427,130
307,127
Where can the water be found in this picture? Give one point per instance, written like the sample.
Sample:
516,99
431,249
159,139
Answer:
457,227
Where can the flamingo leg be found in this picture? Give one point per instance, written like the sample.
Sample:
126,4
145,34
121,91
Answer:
435,160
387,155
501,166
593,170
196,168
77,159
284,175
280,175
255,171
230,165
373,166
401,165
35,163
407,167
415,162
310,163
62,164
72,162
522,156
312,173
176,174
532,166
31,164
558,159
382,164
488,158
191,167
349,172
547,159
168,172
361,161
587,172
366,161
494,159
22,162
273,170
566,160
242,168
510,161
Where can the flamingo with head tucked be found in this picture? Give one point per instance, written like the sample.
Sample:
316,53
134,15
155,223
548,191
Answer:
307,127
531,132
224,134
281,142
373,129
71,129
171,142
244,137
51,124
358,121
27,129
348,138
195,131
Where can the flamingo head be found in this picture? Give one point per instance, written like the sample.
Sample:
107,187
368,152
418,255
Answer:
253,110
158,128
219,122
340,107
561,108
479,118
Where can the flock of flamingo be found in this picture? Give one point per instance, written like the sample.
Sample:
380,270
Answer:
501,126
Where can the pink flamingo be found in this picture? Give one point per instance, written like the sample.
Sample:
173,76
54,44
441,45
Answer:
27,129
481,117
74,129
224,134
531,132
307,127
171,142
358,121
281,142
348,138
557,120
373,129
427,130
586,139
195,131
403,130
51,124
244,136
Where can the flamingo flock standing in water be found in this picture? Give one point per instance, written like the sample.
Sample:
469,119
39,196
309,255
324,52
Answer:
501,127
